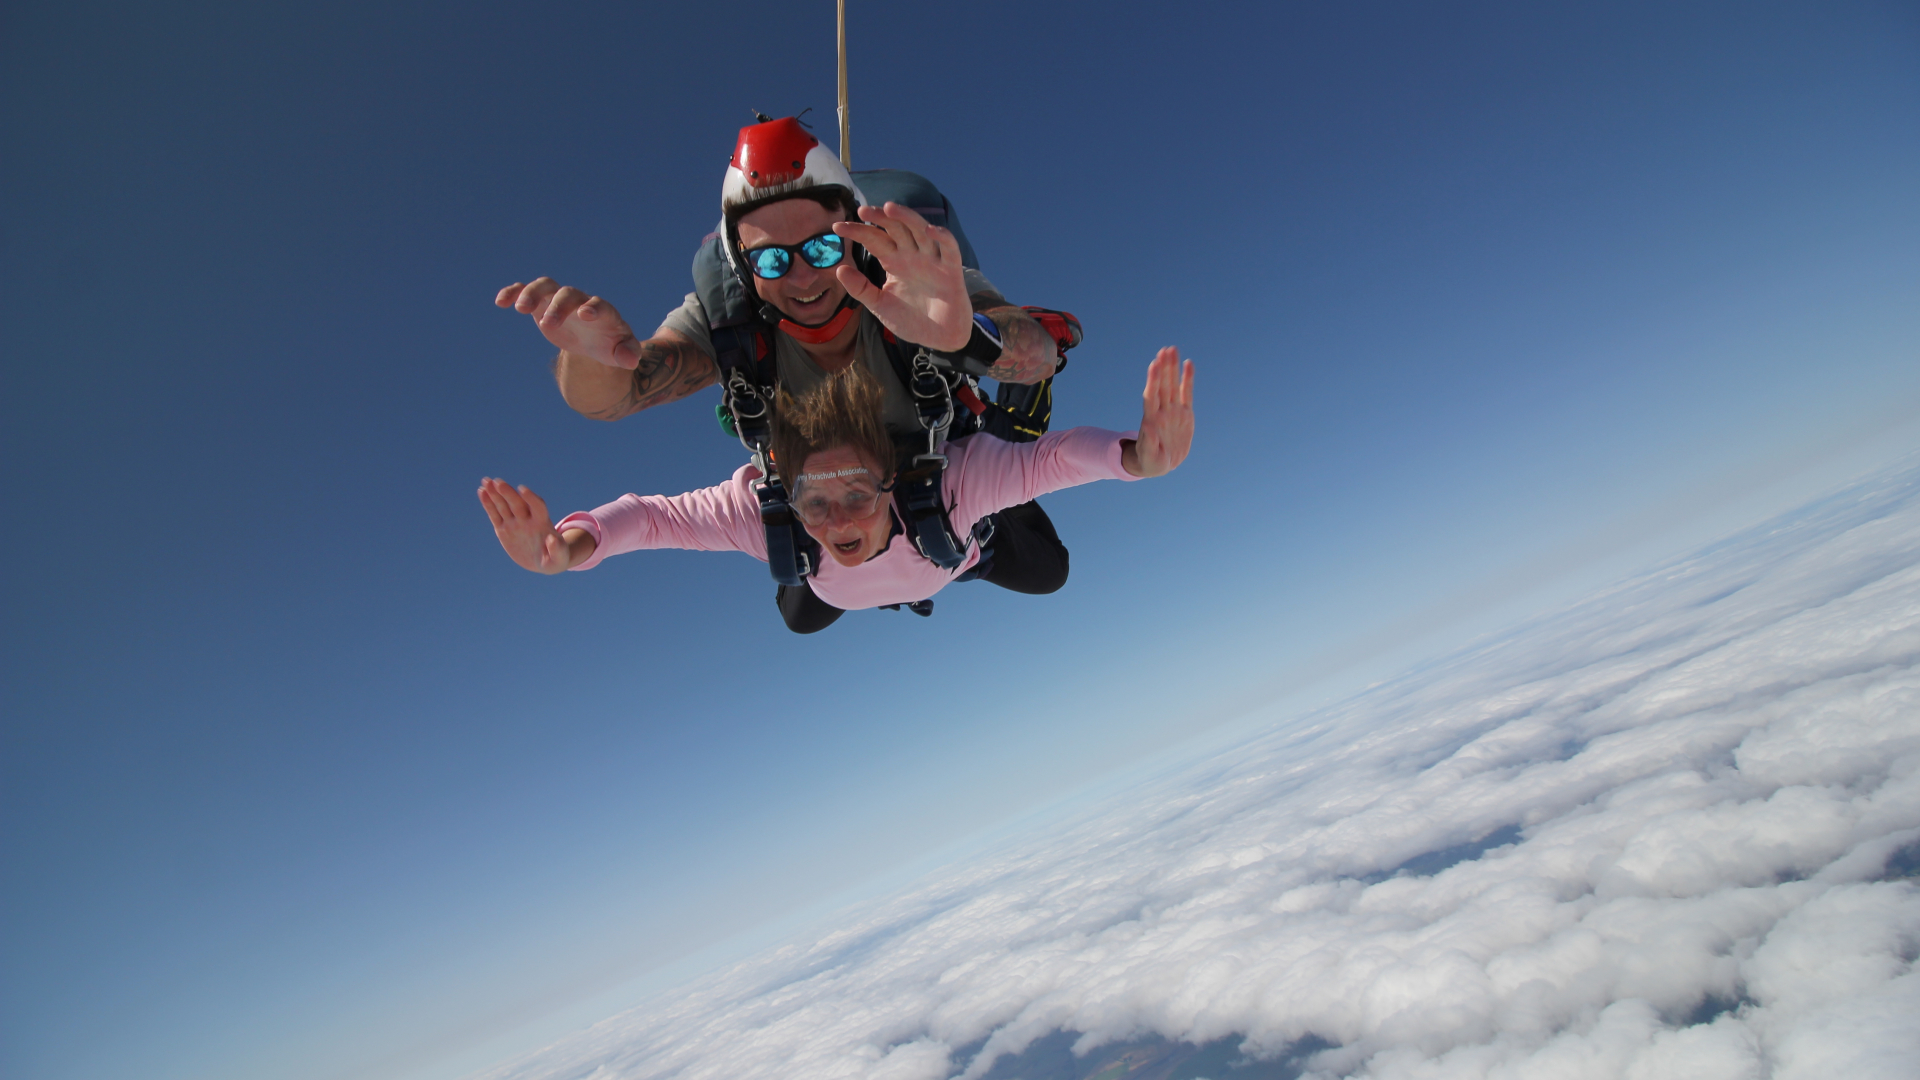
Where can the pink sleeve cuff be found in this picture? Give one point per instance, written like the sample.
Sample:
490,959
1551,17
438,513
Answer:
1116,455
580,519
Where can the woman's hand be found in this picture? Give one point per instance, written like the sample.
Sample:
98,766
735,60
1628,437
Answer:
1166,424
525,529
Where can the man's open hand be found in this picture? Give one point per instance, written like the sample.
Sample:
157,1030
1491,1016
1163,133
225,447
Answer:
925,298
1166,422
580,324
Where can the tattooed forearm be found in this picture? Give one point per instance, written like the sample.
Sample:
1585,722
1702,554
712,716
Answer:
669,369
1027,352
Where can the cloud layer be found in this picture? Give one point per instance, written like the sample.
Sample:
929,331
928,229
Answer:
1647,837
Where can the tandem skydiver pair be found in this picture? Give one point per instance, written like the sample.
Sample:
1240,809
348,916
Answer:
824,316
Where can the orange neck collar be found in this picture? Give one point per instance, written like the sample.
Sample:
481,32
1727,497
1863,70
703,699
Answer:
818,335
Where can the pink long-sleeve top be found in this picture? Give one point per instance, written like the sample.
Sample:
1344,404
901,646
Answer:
983,475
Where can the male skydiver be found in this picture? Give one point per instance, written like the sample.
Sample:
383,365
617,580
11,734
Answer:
790,215
605,374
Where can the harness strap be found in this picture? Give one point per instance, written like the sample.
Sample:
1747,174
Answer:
746,407
745,359
917,496
918,493
790,551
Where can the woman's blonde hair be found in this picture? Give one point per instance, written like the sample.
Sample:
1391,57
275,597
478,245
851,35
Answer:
844,409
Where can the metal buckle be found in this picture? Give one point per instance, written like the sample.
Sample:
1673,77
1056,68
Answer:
749,422
928,387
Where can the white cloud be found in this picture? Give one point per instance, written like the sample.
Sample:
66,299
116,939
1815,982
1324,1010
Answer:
1681,794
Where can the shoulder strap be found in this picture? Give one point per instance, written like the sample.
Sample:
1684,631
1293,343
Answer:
917,495
792,554
917,487
961,388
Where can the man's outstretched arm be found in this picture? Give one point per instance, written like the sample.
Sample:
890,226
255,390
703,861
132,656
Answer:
668,368
603,372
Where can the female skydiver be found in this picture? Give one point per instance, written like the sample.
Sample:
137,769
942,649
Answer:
842,471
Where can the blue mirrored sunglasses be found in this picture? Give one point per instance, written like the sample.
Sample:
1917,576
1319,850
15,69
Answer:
774,260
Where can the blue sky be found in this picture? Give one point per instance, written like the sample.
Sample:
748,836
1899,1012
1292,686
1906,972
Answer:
302,778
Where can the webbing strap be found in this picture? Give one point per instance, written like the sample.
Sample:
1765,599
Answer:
917,487
790,551
917,494
745,360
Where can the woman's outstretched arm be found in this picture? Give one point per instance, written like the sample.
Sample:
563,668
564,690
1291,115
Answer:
993,475
721,518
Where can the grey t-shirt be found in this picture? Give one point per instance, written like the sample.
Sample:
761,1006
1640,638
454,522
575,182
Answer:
797,371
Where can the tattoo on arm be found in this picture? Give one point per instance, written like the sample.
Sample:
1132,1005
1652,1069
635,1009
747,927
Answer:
669,370
1028,353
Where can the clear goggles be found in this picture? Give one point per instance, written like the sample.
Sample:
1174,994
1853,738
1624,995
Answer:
851,493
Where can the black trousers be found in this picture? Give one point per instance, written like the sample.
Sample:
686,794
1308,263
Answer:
1027,557
805,613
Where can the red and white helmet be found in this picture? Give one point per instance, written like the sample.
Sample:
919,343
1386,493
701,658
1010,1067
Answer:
778,159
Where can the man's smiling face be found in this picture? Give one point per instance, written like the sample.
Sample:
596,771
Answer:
804,294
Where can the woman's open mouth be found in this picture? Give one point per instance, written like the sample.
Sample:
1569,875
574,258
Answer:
850,546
